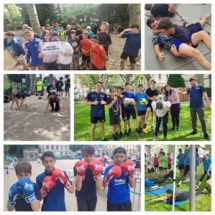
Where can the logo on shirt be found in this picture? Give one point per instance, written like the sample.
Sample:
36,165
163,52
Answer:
120,181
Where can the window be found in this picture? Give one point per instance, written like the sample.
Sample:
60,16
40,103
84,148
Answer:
47,147
159,76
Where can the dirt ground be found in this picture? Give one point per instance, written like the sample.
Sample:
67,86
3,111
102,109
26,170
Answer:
32,124
115,50
70,199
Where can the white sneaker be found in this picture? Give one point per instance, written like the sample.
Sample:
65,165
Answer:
152,128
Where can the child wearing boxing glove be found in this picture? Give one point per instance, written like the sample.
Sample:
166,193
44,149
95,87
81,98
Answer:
88,179
52,183
24,195
119,178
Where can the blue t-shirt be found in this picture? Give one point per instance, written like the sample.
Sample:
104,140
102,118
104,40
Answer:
97,110
16,46
138,97
118,188
132,44
196,93
88,189
67,82
55,198
129,95
149,183
180,158
197,159
206,163
187,158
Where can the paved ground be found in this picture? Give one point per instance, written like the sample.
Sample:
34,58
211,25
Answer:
195,12
70,199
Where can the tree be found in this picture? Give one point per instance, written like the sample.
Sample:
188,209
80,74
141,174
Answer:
175,80
134,11
33,83
12,15
32,13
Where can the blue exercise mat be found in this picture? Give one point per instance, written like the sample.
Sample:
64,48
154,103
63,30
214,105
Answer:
158,191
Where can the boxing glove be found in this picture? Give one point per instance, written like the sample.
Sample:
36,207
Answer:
58,174
81,167
97,168
13,193
129,167
47,184
115,171
27,187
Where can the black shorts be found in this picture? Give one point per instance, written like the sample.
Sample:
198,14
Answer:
187,168
125,56
142,113
124,206
160,167
132,113
86,58
87,205
95,119
156,166
114,120
169,166
180,166
149,106
124,115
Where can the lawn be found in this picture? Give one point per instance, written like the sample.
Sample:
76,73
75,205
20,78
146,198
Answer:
203,201
82,127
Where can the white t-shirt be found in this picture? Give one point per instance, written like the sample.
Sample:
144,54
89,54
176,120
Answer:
161,113
65,47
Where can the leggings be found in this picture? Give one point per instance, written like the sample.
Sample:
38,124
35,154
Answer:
175,112
158,122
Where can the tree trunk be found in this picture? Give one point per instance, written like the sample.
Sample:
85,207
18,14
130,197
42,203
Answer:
148,78
134,11
51,78
33,84
32,13
11,17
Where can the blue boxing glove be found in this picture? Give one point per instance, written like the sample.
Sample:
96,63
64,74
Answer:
13,193
27,187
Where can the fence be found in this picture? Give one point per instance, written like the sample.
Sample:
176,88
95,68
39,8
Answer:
136,192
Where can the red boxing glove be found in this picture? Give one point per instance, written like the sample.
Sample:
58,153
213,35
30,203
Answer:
47,184
58,174
81,167
115,171
97,168
129,167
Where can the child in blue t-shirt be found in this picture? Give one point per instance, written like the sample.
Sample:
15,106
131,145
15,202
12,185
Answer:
206,169
140,97
119,182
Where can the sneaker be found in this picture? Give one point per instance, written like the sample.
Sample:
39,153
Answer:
154,138
127,134
105,139
204,191
179,184
152,128
193,132
207,137
184,18
187,180
52,110
137,133
144,126
197,187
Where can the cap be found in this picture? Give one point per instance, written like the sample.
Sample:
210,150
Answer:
88,27
104,19
191,79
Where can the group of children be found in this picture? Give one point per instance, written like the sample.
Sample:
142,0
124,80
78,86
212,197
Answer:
91,48
50,186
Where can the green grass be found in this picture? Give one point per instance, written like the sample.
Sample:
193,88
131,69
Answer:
203,201
82,127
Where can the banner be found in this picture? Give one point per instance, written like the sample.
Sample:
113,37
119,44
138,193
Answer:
49,48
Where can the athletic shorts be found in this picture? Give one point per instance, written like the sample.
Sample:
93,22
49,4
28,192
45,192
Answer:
114,120
21,57
37,62
160,167
156,166
75,56
67,88
94,120
124,206
149,106
125,56
187,168
142,113
39,91
59,90
169,166
180,166
132,113
86,58
124,115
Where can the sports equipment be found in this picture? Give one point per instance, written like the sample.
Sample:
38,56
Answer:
132,101
58,174
115,171
13,193
129,167
47,184
143,101
160,97
126,101
27,187
97,168
81,167
146,130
